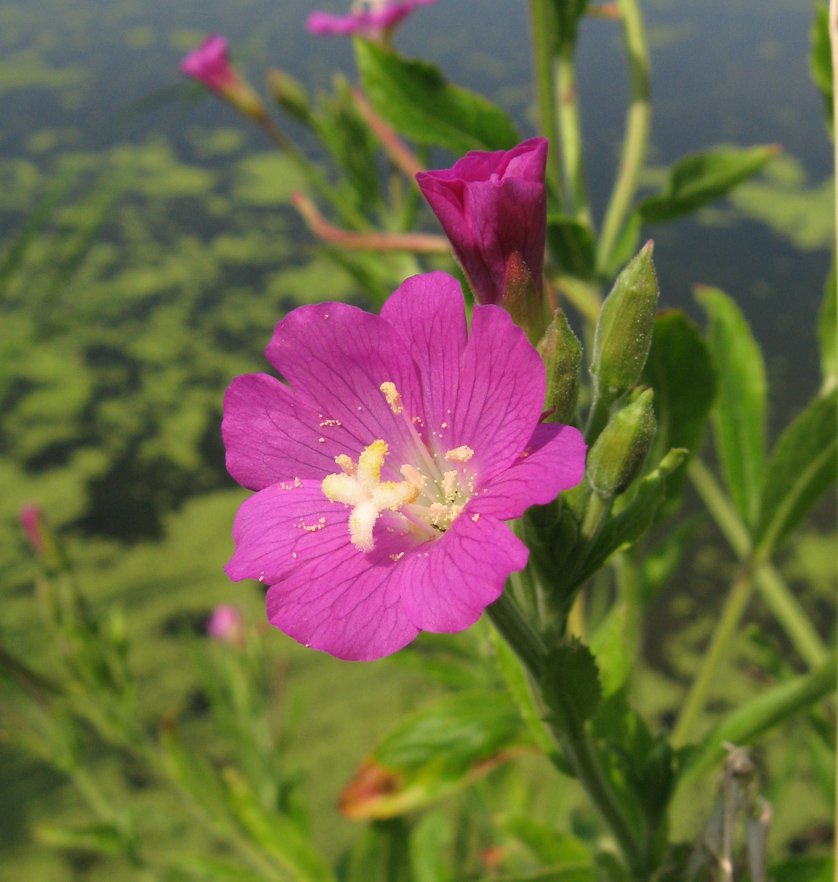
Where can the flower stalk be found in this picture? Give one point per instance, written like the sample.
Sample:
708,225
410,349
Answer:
570,128
543,38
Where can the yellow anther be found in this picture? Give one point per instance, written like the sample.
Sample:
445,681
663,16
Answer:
459,454
394,399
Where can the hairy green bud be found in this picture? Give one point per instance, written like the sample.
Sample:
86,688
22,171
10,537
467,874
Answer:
617,457
624,329
289,94
561,353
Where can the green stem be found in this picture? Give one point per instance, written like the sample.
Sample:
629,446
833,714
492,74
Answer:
636,140
725,629
571,133
776,594
543,39
579,749
598,417
576,742
525,641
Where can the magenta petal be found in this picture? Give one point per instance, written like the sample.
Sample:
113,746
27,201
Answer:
271,435
343,605
554,460
446,584
336,357
429,314
500,394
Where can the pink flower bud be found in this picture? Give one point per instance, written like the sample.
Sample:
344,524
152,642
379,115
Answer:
31,518
210,64
225,624
492,205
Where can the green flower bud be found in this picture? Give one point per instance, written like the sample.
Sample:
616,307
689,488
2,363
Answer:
561,353
624,329
289,94
617,457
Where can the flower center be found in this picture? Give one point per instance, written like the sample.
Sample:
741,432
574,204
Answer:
433,493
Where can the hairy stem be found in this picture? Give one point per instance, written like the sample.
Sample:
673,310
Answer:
636,139
543,37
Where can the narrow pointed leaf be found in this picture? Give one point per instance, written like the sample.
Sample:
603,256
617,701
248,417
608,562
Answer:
739,414
206,869
572,244
381,853
701,178
414,98
98,838
827,330
277,834
801,469
435,751
820,59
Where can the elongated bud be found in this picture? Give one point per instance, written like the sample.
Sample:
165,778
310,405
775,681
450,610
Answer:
624,329
31,519
617,456
289,94
521,298
561,353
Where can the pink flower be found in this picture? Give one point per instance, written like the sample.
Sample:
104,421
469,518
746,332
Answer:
31,519
210,65
492,206
372,19
225,623
384,477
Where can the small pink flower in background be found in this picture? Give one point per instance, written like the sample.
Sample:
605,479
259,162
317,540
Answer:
386,473
31,519
210,64
225,623
371,19
492,206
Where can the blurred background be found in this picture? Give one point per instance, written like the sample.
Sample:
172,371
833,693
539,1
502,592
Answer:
147,248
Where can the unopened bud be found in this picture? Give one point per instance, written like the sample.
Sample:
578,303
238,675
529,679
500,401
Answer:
624,329
617,456
226,624
31,519
289,94
521,297
561,353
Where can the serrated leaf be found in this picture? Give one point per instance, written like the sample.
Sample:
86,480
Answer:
739,413
572,244
280,836
680,370
801,469
820,59
435,751
571,685
701,178
414,98
634,520
828,330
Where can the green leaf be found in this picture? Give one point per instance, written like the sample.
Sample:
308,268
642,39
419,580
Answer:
414,98
205,868
277,834
381,853
633,521
548,845
610,646
572,244
551,874
820,59
430,845
680,370
97,838
434,752
739,414
768,709
701,178
625,247
801,469
827,330
571,685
